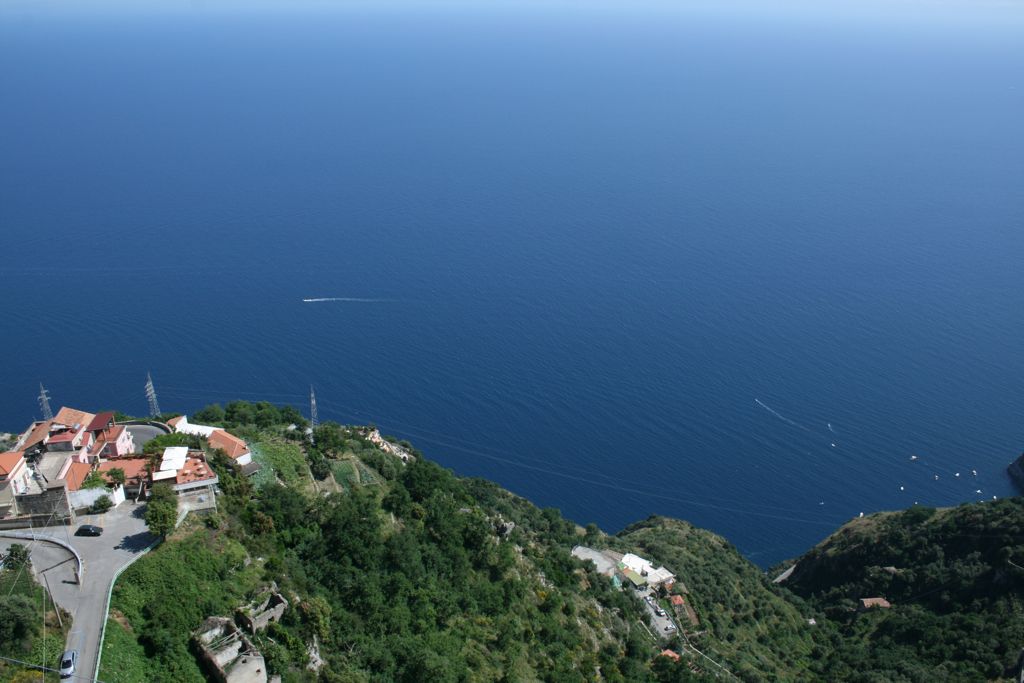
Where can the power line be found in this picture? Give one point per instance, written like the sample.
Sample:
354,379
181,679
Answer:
154,407
314,420
44,402
46,668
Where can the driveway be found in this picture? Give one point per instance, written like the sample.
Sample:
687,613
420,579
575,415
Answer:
141,434
665,626
124,538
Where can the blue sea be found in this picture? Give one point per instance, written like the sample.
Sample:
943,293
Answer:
730,263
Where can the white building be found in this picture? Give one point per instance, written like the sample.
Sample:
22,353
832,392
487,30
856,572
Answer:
645,569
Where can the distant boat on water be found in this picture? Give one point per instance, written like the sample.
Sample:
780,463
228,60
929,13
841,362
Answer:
344,298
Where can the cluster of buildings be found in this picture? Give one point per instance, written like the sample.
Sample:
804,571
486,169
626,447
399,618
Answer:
628,569
63,465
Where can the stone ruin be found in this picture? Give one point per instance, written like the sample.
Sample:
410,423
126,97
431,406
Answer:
227,655
269,605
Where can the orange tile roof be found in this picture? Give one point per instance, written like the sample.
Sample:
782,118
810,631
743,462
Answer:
40,430
110,434
70,416
195,469
134,468
9,461
175,420
868,603
77,474
671,654
677,600
231,444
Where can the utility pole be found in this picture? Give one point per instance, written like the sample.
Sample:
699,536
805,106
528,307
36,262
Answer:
44,402
154,407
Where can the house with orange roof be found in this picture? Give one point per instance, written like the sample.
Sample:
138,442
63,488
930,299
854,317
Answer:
31,441
136,473
69,433
187,472
14,476
71,417
235,448
81,498
75,474
872,603
12,466
671,654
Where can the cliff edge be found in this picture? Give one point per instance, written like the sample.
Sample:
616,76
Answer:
1016,472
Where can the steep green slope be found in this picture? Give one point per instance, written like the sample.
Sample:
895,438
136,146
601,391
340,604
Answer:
752,628
954,578
417,577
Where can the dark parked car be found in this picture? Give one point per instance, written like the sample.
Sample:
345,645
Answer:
68,662
89,530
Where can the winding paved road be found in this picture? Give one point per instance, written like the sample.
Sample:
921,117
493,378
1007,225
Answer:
123,540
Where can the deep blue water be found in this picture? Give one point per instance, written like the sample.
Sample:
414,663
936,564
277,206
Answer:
594,235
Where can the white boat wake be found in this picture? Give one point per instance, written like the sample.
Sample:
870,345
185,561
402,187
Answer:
345,298
781,416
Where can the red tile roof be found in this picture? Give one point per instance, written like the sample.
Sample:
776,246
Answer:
101,421
77,474
231,444
61,437
9,461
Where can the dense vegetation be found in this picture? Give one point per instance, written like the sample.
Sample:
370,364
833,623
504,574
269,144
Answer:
404,577
29,628
405,572
955,578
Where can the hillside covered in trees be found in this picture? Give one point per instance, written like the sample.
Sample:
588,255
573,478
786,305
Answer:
401,571
955,581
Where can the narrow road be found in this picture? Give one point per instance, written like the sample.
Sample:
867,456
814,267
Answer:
123,540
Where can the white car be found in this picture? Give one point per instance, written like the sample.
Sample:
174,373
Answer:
68,662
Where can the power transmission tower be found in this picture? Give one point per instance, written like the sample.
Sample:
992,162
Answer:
313,419
154,407
44,402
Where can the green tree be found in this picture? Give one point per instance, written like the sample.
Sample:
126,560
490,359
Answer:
17,557
18,618
157,445
317,613
240,412
211,414
101,504
116,476
94,480
161,510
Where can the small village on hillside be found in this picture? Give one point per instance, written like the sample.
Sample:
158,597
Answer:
78,462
